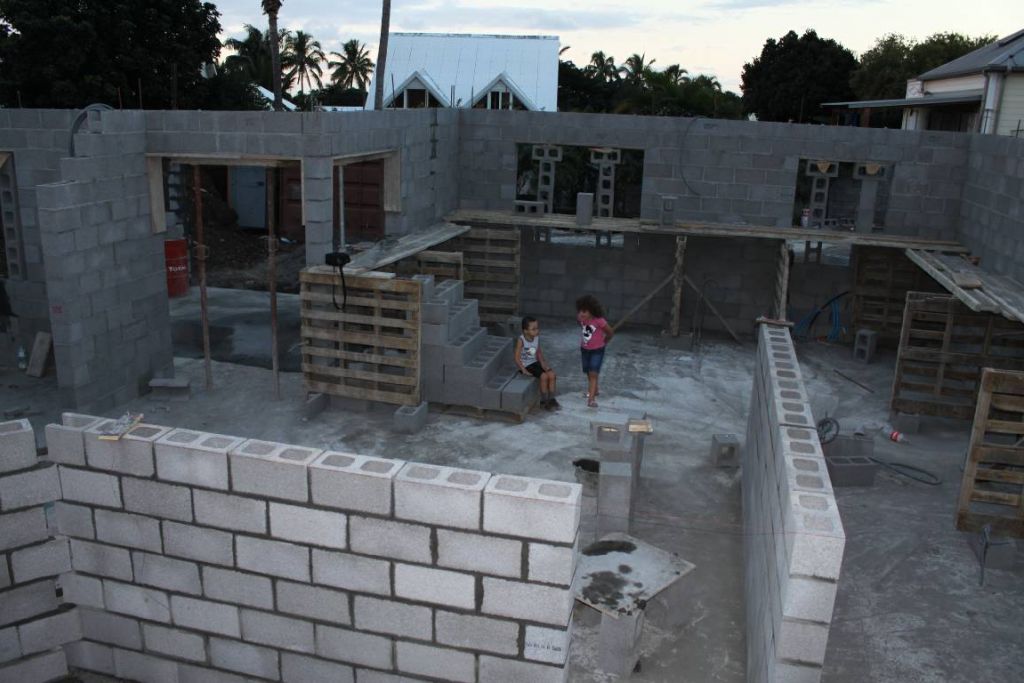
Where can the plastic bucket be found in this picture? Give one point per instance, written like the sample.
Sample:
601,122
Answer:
176,256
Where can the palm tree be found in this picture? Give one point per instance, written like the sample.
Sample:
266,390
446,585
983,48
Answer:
636,68
302,57
271,8
677,75
603,67
382,54
353,67
252,55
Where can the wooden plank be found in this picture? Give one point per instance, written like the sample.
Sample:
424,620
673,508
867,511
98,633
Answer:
782,282
37,361
360,357
384,254
365,375
392,397
509,220
640,304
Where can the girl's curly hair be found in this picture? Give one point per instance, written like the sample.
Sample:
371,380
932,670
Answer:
591,305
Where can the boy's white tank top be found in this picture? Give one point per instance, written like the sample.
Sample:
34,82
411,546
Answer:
528,354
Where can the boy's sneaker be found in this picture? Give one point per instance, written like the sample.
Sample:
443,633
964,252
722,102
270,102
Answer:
553,404
545,404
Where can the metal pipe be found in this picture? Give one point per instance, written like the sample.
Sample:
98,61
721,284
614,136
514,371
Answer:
272,276
201,254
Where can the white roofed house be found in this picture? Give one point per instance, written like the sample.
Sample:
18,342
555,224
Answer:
470,71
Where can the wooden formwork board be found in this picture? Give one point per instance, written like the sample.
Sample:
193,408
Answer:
992,491
491,270
944,346
882,278
371,350
443,265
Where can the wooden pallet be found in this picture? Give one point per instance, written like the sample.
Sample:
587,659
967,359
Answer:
371,350
443,265
482,413
992,492
882,278
944,346
491,270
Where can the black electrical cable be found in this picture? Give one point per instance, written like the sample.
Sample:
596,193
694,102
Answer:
905,470
344,292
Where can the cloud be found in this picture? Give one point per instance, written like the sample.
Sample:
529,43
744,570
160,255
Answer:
458,17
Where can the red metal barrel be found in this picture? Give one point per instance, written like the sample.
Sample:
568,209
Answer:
176,256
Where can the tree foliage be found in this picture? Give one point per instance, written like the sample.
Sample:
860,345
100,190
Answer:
70,53
885,69
792,76
636,87
301,59
353,66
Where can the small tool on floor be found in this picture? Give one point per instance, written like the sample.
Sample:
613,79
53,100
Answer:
984,543
113,431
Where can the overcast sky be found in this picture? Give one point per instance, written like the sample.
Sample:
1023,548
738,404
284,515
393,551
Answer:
704,36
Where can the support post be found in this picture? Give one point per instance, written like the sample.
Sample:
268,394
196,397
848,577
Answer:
272,275
677,286
782,282
201,254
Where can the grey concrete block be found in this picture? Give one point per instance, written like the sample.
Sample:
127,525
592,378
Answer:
51,631
353,647
136,666
22,528
136,601
174,642
93,488
478,553
40,668
410,419
44,559
498,670
202,615
90,656
29,487
353,482
434,334
159,500
197,543
306,525
270,469
230,512
245,658
277,631
136,531
393,618
276,558
172,389
436,662
520,395
167,573
79,589
462,349
17,445
434,311
313,602
301,668
101,560
477,633
238,588
110,628
619,640
10,648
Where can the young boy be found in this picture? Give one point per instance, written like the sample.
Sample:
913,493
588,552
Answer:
595,333
530,361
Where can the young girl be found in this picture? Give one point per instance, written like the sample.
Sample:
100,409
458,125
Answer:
596,332
530,361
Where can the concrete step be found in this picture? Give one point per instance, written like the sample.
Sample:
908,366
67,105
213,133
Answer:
520,394
496,353
427,288
461,350
449,290
490,395
463,317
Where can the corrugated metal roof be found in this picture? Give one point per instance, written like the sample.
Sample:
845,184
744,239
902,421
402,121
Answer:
471,63
1005,53
927,100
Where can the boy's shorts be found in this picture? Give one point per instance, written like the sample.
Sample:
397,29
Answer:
535,369
592,359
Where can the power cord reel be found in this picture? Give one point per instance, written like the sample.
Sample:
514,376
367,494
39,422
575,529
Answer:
338,260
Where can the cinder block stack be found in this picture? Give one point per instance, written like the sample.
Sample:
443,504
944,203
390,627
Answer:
193,556
34,622
462,364
794,538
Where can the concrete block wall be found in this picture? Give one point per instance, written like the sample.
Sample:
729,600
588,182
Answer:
992,211
793,536
34,619
731,171
812,284
36,139
738,277
198,556
426,141
105,273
